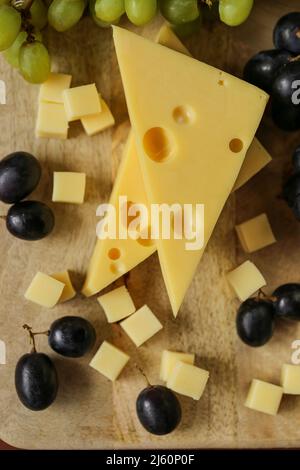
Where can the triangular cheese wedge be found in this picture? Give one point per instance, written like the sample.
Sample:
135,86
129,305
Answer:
256,159
167,37
193,125
113,258
257,156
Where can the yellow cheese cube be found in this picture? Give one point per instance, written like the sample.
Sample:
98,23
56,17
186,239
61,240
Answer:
245,280
141,326
188,380
52,89
68,187
169,359
255,233
117,304
81,101
264,397
44,290
98,122
2,352
69,291
290,379
52,121
109,361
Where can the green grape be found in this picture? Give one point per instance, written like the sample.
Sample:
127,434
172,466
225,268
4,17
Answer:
39,14
187,29
34,61
234,12
10,25
179,11
140,12
64,14
109,10
12,53
98,22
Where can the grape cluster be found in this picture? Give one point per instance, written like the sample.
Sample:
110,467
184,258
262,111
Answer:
21,23
277,71
255,321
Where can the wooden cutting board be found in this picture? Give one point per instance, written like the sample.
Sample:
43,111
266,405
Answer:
90,412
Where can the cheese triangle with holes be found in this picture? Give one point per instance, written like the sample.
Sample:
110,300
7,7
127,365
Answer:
193,125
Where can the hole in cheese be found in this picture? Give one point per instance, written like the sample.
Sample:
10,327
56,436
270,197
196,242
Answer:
114,253
157,144
236,145
183,115
118,268
145,238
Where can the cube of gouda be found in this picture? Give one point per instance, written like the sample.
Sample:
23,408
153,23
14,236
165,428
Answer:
255,233
188,380
68,187
141,326
264,397
169,359
117,304
109,361
245,280
290,379
81,101
44,290
2,352
52,121
69,292
52,89
98,122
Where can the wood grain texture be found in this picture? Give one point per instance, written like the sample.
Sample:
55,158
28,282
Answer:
90,412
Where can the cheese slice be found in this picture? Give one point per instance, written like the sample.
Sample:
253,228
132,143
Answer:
256,159
167,37
257,156
103,269
129,183
191,140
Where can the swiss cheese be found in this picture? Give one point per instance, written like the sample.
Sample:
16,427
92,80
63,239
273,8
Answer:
44,290
264,397
109,361
141,326
52,89
117,304
191,141
2,352
129,183
103,268
69,292
188,380
170,358
255,233
290,379
245,280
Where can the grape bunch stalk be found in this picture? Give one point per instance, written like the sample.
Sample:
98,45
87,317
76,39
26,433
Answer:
21,23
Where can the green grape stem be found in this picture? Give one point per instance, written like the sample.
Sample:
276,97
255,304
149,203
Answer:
22,5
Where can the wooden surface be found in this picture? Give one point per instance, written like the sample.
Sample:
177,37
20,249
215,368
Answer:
90,412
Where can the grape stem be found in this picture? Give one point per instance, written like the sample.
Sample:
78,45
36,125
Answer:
295,59
22,5
33,334
3,217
